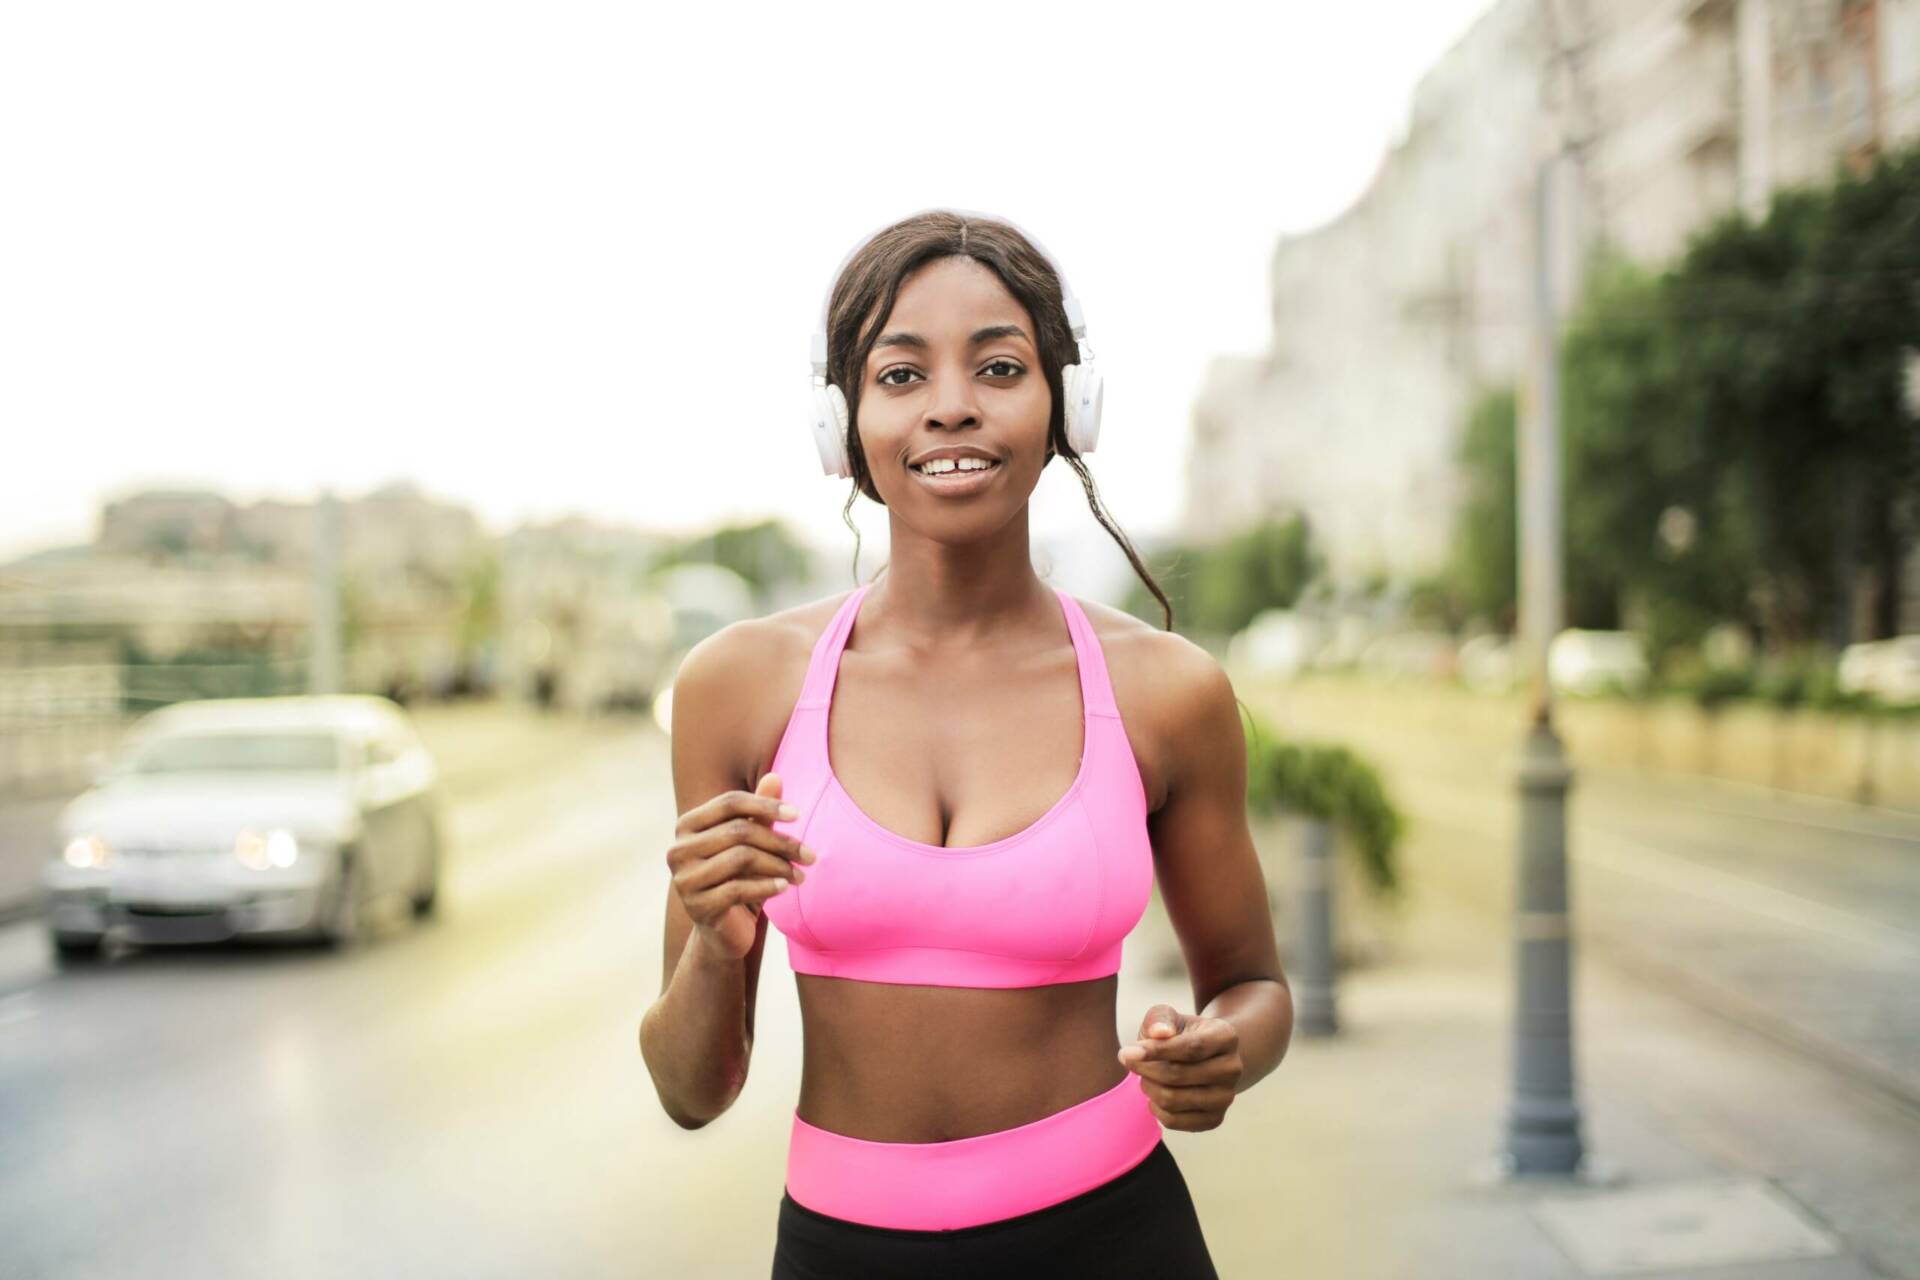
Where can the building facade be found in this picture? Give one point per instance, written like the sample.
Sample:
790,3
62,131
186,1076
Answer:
1389,319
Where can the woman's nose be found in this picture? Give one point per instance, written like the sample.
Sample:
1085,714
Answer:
952,403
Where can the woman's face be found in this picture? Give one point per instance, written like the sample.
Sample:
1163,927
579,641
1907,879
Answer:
955,368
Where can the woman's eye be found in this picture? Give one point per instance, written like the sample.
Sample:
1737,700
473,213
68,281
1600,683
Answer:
1009,365
886,379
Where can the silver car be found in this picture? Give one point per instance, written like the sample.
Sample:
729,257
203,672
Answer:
290,816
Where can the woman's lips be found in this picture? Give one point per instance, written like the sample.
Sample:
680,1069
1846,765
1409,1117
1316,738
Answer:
956,484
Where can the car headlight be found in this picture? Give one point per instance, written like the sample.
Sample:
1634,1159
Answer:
88,851
264,851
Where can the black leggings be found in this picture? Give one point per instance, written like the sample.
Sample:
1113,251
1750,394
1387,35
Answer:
1141,1224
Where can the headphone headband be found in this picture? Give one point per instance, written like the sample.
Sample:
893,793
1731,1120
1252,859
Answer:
1076,319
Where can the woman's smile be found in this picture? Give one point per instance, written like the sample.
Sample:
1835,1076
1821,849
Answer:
958,482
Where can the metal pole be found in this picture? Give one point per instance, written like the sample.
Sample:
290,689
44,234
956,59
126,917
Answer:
323,639
1543,1116
1313,983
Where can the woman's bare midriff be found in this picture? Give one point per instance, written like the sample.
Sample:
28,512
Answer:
894,1063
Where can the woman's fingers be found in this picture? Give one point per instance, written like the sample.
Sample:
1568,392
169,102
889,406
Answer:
1181,1073
710,904
745,831
1188,1099
728,855
735,804
739,860
1186,1121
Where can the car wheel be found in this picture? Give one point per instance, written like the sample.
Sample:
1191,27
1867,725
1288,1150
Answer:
346,919
78,948
427,896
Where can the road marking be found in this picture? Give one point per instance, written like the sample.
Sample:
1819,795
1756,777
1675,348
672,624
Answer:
1783,819
1676,871
18,1007
1672,871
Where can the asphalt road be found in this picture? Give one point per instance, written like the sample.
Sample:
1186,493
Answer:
456,1099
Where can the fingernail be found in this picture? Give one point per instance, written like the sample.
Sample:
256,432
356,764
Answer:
788,813
799,876
807,854
1161,1026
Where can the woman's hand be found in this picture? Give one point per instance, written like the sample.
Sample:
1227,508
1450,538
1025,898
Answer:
728,859
1189,1067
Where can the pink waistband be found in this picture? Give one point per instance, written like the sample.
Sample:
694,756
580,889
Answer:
940,1186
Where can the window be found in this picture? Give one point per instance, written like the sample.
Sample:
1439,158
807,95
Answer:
236,752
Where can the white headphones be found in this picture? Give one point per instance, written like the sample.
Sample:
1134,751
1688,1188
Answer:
1080,382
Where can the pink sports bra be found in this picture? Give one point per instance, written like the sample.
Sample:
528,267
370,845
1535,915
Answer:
1048,904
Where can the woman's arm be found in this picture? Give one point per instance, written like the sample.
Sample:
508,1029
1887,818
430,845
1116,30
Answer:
697,1038
1206,864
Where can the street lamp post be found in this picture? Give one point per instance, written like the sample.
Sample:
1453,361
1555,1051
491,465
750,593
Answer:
323,635
1542,1135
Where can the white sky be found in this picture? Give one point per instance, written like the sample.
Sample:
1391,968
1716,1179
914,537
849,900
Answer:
554,258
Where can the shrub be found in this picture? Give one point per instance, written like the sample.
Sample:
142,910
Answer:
1330,783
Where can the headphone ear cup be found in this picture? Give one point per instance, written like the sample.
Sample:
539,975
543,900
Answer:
1087,421
1070,400
1082,388
829,424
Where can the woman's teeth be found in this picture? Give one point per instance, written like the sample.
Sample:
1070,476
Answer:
946,466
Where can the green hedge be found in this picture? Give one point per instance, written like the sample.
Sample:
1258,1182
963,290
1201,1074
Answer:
1331,783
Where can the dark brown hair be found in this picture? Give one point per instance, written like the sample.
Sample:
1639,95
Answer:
863,297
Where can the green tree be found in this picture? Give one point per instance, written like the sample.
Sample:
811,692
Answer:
763,552
1220,587
1482,562
1735,441
1657,529
1791,330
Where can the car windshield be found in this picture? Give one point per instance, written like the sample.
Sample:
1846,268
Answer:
255,752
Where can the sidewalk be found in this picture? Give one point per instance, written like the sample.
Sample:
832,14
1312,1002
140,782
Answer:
1360,1155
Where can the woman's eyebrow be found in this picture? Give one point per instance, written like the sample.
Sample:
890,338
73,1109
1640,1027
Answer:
987,334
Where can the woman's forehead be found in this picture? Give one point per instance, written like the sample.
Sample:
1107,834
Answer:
954,296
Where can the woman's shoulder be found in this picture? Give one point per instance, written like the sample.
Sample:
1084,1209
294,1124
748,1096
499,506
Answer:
1163,685
795,629
1147,652
746,676
764,639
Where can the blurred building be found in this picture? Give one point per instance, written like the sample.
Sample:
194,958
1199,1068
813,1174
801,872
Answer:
1387,319
393,529
570,613
215,590
161,523
582,626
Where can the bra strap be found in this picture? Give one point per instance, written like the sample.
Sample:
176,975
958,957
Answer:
825,663
1096,687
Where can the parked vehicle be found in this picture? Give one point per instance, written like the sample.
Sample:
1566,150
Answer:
289,816
1887,669
1278,642
1591,662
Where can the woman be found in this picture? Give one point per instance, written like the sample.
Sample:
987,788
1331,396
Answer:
889,777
